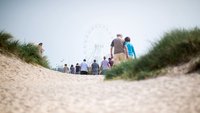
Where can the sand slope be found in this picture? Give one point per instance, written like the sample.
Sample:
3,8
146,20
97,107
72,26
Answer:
29,89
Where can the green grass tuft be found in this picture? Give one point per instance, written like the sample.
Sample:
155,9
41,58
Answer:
176,47
27,52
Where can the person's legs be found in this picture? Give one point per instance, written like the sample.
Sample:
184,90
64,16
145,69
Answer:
82,72
130,56
104,72
122,57
97,72
116,59
93,73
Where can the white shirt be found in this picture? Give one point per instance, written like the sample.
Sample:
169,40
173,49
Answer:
84,67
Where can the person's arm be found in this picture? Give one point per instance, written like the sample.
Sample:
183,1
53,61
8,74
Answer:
126,51
111,52
80,66
111,49
134,52
108,65
101,67
42,50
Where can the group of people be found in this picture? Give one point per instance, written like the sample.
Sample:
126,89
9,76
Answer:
95,68
123,50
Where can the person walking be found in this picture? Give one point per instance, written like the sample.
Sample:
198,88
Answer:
120,51
84,68
104,66
72,69
95,68
130,48
40,49
78,68
66,69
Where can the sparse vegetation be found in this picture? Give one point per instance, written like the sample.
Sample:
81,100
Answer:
176,47
27,52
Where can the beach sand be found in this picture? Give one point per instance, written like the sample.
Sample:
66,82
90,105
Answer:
26,88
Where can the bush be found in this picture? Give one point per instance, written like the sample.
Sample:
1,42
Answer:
27,52
175,47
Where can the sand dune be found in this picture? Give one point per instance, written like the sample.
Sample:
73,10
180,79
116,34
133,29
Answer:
27,88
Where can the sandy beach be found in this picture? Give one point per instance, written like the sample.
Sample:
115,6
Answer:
26,88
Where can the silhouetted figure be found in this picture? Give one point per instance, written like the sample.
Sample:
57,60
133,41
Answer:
78,68
84,68
104,66
66,69
40,49
72,69
95,68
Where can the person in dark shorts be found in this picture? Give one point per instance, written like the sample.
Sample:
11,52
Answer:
78,69
95,68
84,68
72,69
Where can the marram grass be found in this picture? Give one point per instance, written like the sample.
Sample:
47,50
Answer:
175,47
26,52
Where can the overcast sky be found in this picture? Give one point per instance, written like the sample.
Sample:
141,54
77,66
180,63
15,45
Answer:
68,28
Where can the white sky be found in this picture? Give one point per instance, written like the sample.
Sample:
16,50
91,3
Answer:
66,27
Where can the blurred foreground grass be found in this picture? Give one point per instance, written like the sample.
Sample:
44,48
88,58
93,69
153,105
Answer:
175,47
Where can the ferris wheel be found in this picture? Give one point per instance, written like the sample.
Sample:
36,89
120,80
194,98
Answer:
97,43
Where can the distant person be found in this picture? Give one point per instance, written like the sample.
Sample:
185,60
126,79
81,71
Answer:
95,68
84,68
104,66
78,68
120,52
110,62
66,69
40,49
130,48
72,69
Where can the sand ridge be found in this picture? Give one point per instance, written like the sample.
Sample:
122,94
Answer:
26,88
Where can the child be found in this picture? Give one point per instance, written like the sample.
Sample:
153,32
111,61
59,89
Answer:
130,48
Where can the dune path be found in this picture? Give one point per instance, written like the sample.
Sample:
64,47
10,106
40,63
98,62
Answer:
26,88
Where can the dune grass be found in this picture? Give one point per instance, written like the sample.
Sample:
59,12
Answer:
26,52
175,47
